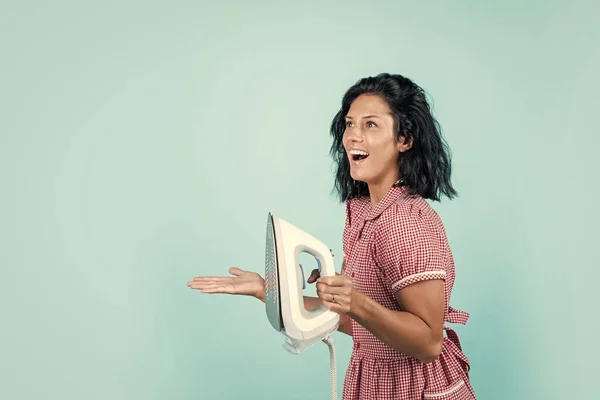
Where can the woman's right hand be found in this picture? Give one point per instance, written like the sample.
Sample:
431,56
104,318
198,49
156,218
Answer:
242,283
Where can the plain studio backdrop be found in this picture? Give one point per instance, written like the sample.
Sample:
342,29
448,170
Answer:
144,143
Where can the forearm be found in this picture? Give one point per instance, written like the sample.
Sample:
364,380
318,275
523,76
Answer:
310,303
400,330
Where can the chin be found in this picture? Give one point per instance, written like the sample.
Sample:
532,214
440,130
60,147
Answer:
359,177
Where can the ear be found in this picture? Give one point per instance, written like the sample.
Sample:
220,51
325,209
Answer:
404,144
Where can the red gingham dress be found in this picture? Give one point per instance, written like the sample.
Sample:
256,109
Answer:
400,242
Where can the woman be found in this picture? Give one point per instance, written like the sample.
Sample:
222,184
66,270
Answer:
398,271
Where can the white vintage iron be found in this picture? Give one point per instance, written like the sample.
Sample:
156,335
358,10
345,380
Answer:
284,281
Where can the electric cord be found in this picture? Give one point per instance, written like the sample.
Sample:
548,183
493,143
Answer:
328,340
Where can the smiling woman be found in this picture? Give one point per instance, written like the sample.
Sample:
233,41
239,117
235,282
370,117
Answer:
395,288
398,271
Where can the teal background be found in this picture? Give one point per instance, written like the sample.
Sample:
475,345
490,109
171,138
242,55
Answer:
140,142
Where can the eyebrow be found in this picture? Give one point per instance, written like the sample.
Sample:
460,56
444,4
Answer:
366,116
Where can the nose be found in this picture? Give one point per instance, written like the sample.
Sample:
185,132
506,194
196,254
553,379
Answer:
354,134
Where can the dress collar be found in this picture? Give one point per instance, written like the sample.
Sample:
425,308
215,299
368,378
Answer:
392,196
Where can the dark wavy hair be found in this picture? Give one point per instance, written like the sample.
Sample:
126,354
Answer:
426,167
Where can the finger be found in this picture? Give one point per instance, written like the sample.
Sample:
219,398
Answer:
205,285
332,296
337,308
333,286
236,271
337,280
325,288
325,295
212,288
210,278
209,281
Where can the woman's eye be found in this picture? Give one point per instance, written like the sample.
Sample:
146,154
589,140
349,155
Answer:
371,124
348,123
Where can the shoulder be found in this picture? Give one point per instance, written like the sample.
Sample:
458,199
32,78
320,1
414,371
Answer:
413,209
408,217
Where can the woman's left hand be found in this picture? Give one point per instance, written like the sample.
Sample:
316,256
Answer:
337,293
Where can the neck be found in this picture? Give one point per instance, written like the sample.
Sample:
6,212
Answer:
379,190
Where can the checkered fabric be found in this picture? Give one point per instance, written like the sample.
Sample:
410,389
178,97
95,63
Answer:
399,242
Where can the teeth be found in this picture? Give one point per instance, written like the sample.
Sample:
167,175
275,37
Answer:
359,152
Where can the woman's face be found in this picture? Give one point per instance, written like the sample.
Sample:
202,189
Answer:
370,142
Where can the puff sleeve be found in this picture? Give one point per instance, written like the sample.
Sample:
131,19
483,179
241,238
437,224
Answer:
409,247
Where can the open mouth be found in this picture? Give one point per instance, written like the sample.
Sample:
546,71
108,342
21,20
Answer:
358,155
